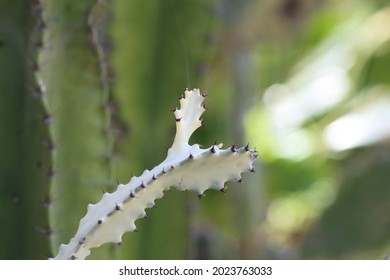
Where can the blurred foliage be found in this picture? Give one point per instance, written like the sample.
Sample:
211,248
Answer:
322,124
304,81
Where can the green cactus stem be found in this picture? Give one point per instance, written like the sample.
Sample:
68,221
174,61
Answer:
24,155
159,48
74,96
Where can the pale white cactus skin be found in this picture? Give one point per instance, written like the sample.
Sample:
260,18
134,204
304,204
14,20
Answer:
186,167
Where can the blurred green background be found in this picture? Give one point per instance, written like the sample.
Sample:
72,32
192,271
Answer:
85,92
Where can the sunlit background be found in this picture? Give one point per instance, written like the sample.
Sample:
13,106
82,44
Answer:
322,125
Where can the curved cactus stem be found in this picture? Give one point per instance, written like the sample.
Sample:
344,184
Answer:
187,167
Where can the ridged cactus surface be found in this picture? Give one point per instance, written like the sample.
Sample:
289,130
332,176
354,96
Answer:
24,150
160,47
71,79
85,104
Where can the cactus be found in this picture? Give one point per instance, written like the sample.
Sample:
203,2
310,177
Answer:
188,167
57,98
25,149
70,75
159,47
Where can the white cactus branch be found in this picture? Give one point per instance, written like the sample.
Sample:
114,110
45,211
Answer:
186,167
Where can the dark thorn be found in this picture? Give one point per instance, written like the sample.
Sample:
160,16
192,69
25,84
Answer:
46,201
46,232
172,167
223,190
100,222
111,106
119,244
154,178
191,156
37,93
46,119
143,185
117,207
204,105
132,195
240,181
163,171
174,109
247,147
50,173
145,216
233,148
48,145
73,257
201,122
34,67
213,149
41,25
201,195
204,95
177,120
154,206
181,97
82,241
38,44
253,170
104,191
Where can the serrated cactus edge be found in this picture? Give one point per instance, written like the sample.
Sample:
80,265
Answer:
186,167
